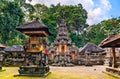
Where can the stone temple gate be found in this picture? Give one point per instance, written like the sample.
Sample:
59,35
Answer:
63,52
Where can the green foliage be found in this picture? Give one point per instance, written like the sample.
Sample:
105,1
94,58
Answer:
102,30
52,27
16,12
41,11
11,16
78,40
74,16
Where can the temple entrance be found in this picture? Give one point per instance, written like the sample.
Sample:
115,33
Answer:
63,48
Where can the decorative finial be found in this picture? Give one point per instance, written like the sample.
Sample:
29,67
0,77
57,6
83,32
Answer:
63,23
37,19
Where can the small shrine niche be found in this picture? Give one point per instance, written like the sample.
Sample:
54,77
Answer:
34,43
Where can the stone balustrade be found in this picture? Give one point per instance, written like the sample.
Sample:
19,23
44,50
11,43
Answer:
114,70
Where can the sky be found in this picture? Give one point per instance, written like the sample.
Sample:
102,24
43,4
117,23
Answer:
98,10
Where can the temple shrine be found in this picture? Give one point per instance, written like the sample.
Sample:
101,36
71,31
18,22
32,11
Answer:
63,52
34,47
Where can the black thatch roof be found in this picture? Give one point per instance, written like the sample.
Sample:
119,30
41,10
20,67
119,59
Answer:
34,26
111,41
91,48
14,49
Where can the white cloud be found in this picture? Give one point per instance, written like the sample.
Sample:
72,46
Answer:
96,11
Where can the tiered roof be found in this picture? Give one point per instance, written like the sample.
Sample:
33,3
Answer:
35,27
63,37
111,41
90,47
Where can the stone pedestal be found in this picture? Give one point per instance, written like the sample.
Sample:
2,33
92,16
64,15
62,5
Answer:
37,67
33,70
88,64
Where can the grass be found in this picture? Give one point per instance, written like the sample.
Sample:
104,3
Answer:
11,71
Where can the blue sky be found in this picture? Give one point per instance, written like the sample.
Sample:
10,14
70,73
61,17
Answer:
115,10
98,10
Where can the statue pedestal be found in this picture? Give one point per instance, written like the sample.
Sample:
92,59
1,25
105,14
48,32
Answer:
88,64
33,71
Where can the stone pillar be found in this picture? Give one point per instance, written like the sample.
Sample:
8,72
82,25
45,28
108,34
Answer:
73,56
52,56
88,62
114,64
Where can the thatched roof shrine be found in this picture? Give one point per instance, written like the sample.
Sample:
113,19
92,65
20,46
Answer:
91,48
111,41
34,27
15,49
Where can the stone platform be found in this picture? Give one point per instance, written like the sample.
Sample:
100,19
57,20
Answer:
63,65
34,71
113,70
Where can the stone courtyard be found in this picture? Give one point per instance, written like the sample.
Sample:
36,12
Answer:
76,72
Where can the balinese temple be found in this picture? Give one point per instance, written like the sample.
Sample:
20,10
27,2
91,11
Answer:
112,42
63,52
91,54
34,47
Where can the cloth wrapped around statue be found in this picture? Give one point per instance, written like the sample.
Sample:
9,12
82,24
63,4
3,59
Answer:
41,48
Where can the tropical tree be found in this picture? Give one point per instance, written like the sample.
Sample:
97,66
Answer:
41,11
11,15
102,30
74,16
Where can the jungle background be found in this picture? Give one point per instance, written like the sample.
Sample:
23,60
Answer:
17,12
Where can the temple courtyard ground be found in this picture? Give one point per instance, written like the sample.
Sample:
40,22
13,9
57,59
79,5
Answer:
77,72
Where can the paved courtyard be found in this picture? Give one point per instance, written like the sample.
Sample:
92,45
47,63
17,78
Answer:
83,72
79,69
77,72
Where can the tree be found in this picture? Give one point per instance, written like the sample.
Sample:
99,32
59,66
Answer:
27,8
11,15
102,30
74,16
41,11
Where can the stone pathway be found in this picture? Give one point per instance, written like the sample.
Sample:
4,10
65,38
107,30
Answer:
93,72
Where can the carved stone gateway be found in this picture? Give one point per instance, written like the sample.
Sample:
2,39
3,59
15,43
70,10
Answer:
63,52
35,58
